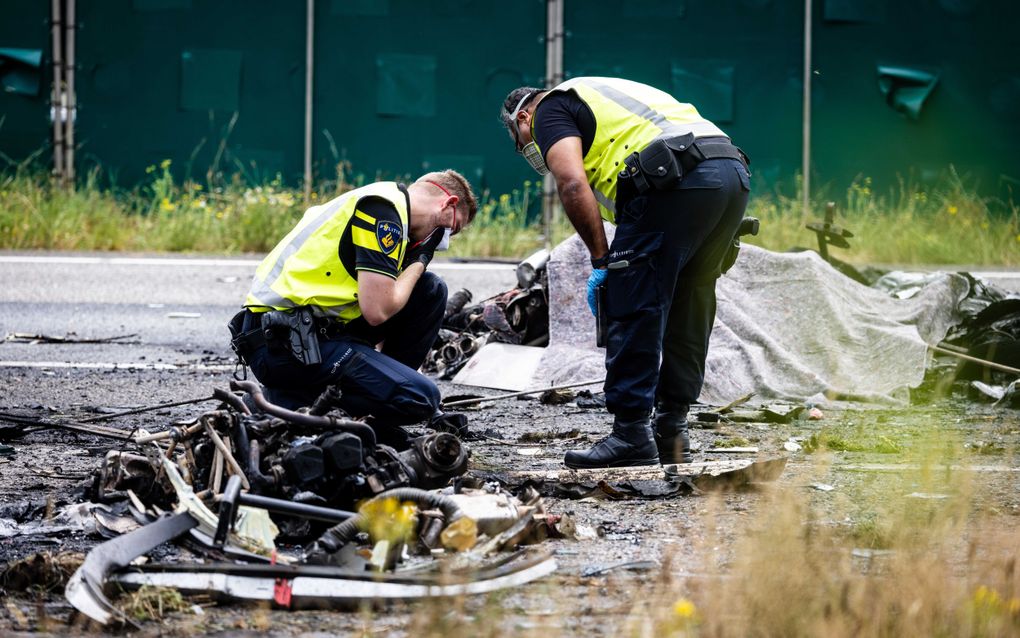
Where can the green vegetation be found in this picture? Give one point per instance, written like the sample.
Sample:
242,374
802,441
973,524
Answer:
948,223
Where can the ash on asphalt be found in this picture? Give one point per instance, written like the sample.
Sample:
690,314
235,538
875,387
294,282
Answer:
52,467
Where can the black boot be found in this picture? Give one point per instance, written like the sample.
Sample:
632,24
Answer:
630,444
671,433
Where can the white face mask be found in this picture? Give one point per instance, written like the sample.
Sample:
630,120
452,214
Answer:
444,243
532,153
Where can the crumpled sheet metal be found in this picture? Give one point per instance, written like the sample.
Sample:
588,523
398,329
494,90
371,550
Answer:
788,326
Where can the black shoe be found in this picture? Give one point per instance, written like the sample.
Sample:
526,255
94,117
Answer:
453,422
629,445
672,436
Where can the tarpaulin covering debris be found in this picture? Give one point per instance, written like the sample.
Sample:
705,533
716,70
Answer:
788,326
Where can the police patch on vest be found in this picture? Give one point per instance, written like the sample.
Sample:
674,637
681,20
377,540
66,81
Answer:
389,235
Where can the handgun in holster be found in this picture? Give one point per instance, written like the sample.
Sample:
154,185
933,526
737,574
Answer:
601,318
294,332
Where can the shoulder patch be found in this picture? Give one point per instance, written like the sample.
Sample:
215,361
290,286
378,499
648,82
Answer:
389,235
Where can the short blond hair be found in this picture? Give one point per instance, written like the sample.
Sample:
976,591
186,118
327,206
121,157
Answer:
457,185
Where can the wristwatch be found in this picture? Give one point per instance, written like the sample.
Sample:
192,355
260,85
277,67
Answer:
600,262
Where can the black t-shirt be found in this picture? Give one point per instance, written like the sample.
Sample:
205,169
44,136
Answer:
562,114
374,238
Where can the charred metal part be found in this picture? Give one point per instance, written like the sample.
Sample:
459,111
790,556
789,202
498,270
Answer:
529,269
829,233
172,404
232,400
232,498
438,457
97,430
301,418
324,587
85,590
457,301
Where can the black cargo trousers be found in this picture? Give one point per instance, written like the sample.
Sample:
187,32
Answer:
661,306
383,384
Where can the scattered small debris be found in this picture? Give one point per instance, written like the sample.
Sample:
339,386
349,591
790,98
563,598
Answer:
556,397
814,414
633,566
183,315
539,437
529,451
733,450
43,571
822,487
791,446
928,496
24,337
586,400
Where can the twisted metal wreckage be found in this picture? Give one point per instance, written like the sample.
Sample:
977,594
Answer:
307,469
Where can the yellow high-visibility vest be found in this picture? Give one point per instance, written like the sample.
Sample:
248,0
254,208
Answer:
305,268
628,116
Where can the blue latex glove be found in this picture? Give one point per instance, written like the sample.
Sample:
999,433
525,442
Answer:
597,278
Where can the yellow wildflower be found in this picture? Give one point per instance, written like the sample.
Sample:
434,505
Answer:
165,164
166,205
685,609
953,210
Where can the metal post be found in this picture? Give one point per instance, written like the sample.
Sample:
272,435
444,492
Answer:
56,95
72,102
553,76
805,161
309,68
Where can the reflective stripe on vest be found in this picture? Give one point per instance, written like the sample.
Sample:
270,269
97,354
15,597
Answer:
294,273
628,116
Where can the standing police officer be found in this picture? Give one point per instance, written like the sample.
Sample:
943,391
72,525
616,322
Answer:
676,188
351,275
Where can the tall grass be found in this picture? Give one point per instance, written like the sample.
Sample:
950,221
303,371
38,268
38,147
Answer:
947,223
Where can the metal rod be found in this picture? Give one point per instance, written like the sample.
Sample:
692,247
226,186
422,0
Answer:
150,408
96,430
225,451
56,95
520,394
72,100
296,509
309,71
805,162
984,362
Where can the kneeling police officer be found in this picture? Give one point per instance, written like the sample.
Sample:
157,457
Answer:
352,275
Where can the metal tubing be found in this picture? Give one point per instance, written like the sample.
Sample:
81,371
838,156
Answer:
56,95
225,451
309,70
291,508
72,100
300,418
805,161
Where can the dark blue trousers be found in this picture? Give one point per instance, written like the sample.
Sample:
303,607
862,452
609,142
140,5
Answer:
385,385
662,306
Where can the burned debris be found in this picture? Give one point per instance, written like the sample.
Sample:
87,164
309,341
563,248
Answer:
269,496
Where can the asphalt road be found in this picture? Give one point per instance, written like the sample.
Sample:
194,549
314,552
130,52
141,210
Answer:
176,307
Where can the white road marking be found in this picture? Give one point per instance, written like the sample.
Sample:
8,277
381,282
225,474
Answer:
114,366
213,263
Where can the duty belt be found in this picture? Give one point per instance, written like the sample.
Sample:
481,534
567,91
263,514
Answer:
662,164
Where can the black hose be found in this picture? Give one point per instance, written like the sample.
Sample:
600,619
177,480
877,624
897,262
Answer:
255,475
300,418
231,399
339,535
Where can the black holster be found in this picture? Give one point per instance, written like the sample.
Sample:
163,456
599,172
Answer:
661,165
293,331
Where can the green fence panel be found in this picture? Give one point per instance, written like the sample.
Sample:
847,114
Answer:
906,88
738,61
402,87
209,84
25,75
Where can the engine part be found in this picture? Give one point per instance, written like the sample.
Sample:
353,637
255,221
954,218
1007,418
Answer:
529,269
